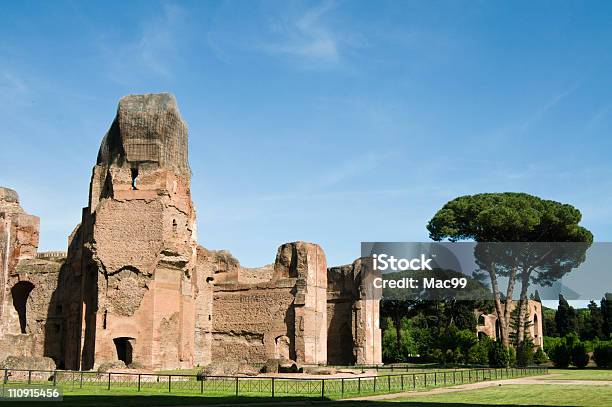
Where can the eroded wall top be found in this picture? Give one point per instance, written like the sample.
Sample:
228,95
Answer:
147,129
9,201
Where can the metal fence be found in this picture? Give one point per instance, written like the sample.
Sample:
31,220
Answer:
222,386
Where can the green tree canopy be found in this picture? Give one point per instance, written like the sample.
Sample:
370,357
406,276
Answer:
514,217
507,217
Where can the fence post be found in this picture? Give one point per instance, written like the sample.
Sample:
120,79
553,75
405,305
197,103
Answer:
414,381
322,389
425,374
402,379
138,381
202,386
236,386
389,382
343,387
375,383
272,387
5,379
109,380
469,376
169,383
29,377
359,385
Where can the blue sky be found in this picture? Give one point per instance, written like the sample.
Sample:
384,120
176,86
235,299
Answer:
332,122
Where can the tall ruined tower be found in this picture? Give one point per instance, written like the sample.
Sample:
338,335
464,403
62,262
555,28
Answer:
131,260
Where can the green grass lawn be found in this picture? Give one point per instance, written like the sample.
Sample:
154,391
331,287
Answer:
186,391
514,395
505,395
580,374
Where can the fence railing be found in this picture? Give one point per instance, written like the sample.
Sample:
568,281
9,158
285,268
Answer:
271,386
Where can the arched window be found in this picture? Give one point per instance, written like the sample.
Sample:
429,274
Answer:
125,349
20,293
481,320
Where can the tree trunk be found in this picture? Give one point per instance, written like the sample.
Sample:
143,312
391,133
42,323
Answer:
498,306
398,333
507,311
523,304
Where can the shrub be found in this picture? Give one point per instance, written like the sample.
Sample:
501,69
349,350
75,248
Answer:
390,352
511,356
136,365
580,357
602,355
540,357
560,355
109,366
498,355
524,353
551,341
478,354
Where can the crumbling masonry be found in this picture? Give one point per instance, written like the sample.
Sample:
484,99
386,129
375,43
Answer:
135,286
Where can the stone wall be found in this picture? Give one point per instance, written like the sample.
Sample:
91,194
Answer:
488,325
136,247
135,286
272,312
30,316
352,316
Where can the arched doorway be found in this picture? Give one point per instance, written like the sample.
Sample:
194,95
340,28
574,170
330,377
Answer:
20,293
125,349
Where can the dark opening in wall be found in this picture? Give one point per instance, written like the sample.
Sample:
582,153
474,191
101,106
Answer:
20,293
134,172
174,225
125,347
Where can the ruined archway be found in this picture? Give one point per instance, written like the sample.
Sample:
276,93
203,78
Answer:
20,293
497,330
125,348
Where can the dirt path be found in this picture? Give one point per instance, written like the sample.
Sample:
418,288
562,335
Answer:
482,385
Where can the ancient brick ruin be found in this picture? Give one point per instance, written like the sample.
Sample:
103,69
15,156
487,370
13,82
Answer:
135,286
488,324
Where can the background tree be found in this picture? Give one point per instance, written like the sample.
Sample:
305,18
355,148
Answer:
511,217
395,310
549,323
606,313
593,323
566,318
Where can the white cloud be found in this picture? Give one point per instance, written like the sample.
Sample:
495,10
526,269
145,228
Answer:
546,107
152,51
307,40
